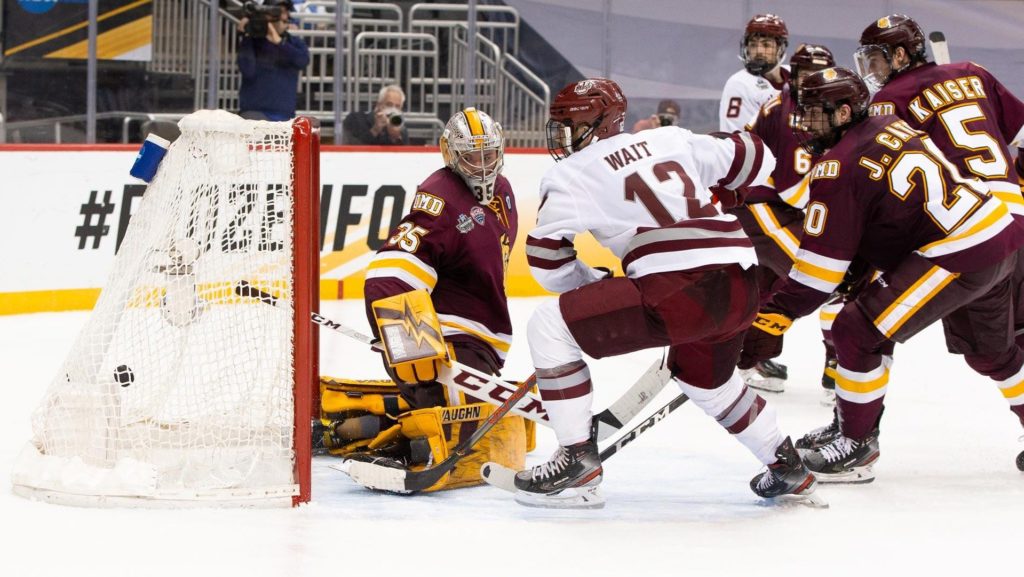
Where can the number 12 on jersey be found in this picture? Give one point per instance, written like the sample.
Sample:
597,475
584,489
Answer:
637,190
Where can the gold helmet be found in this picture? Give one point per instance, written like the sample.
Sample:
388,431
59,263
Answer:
473,146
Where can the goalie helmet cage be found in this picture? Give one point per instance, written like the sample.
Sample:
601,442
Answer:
179,391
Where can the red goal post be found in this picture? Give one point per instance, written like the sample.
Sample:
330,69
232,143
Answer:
179,390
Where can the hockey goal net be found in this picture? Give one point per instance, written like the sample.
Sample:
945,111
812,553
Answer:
182,388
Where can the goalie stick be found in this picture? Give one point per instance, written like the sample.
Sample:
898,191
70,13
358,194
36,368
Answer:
503,477
940,50
496,391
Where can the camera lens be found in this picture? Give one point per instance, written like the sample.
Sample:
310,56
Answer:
395,119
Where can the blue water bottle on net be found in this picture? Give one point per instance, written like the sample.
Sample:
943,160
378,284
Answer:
152,152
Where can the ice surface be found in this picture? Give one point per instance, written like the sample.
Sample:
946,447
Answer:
948,499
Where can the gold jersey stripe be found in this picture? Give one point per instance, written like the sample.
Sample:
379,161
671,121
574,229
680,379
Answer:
384,263
818,272
993,217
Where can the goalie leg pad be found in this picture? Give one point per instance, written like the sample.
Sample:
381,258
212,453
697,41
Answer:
358,414
506,442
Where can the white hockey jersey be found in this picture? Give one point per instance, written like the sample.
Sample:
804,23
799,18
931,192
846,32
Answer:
647,198
742,97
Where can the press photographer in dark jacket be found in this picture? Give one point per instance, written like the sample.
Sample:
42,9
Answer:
270,60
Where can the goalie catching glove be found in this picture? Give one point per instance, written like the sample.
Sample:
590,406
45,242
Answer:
411,336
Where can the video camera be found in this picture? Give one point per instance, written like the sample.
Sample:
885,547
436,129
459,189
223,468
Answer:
260,17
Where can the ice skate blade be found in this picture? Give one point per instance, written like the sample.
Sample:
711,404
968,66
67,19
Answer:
755,380
499,476
855,476
572,498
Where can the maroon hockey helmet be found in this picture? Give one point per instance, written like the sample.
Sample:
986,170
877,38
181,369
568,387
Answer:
769,26
593,107
878,44
822,93
807,58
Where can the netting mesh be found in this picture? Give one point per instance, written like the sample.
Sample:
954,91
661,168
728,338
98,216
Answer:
178,386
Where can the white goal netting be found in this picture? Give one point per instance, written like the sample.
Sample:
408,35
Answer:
180,389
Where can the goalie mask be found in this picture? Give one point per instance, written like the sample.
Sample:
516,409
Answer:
584,110
473,146
878,44
822,95
760,27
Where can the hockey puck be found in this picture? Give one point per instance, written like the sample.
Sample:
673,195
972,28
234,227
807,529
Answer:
124,375
1020,462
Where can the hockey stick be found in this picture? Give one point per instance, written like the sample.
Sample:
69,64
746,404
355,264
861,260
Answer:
384,478
496,391
503,477
459,376
940,50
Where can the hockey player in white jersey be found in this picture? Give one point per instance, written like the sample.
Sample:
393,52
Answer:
651,199
762,51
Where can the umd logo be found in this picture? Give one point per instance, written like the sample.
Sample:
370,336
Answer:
830,74
884,23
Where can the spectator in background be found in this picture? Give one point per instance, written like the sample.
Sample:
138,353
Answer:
667,115
270,60
383,125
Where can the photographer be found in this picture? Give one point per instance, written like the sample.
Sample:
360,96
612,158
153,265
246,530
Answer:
383,125
270,60
667,115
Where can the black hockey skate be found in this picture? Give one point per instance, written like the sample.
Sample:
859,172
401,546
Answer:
569,480
787,477
820,436
844,460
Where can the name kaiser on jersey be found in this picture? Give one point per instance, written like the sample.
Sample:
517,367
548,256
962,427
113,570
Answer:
936,97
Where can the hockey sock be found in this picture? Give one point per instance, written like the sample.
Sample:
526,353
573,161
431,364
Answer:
743,413
568,395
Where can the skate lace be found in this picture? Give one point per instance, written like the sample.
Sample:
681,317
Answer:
766,480
558,462
838,449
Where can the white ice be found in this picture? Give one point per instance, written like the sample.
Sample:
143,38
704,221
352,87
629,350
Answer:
948,499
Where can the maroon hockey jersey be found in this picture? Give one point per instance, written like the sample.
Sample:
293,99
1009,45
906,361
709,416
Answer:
883,192
969,115
792,162
458,249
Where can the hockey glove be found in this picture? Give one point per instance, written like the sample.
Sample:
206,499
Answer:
764,340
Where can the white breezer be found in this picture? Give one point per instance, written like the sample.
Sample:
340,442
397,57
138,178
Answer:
178,390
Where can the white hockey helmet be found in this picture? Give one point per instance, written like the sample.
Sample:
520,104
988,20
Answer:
473,145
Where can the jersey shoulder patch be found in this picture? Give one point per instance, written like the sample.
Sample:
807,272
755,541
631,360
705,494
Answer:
428,203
